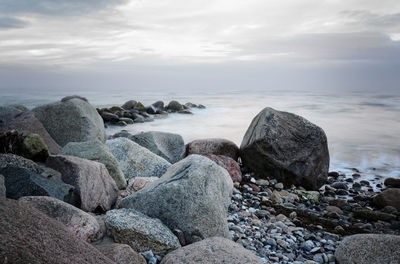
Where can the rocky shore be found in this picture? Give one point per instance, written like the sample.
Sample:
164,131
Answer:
71,194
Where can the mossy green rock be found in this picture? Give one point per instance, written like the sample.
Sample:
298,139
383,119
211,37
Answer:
35,148
97,151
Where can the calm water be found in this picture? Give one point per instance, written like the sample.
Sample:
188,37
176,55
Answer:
363,130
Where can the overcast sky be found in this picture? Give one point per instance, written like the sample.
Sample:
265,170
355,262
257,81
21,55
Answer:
198,44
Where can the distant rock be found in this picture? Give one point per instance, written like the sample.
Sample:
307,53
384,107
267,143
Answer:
287,147
216,146
72,120
140,232
212,250
96,190
23,182
26,123
166,145
228,164
97,151
129,105
29,236
155,108
392,182
369,248
121,253
174,106
8,109
193,196
80,223
389,197
135,160
109,117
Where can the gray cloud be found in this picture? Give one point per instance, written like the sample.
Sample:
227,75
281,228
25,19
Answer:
54,7
371,19
11,22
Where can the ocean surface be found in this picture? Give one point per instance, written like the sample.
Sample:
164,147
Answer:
363,130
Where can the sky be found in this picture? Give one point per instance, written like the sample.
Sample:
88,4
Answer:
200,45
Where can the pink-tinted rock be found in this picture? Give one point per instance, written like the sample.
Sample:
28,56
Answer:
26,123
216,146
93,184
229,164
135,185
80,223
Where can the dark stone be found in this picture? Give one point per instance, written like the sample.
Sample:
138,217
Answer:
392,182
174,106
287,147
333,174
21,182
66,98
340,185
129,105
109,117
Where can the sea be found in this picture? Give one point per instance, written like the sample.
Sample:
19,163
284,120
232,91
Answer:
363,129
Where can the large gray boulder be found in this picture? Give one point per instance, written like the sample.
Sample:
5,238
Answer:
97,151
287,147
18,161
212,250
80,223
29,236
23,182
94,187
140,232
135,160
193,196
389,197
166,145
369,248
26,123
71,120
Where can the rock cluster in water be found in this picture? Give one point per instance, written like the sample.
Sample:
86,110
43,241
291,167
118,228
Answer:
68,195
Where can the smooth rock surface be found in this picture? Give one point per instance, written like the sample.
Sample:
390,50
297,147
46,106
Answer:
26,123
166,145
94,187
97,151
121,254
193,196
369,248
389,197
287,147
135,160
140,232
72,120
23,182
228,164
212,250
80,223
29,236
216,146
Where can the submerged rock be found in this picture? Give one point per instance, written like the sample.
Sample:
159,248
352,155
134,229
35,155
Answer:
193,196
71,120
287,147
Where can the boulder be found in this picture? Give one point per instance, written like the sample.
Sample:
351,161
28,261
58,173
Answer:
166,145
80,223
8,109
129,105
20,107
193,196
18,161
121,253
212,250
30,146
109,117
26,123
140,232
95,189
23,182
392,182
228,164
72,120
216,146
369,248
135,185
97,151
29,236
287,147
155,108
135,160
2,187
174,106
389,197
